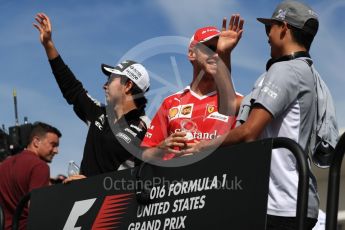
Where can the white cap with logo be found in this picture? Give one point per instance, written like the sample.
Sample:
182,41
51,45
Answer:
132,70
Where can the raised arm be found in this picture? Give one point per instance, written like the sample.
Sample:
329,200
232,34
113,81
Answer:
228,39
72,89
45,29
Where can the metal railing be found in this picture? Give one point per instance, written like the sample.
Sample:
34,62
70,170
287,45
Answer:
303,176
303,183
334,185
2,219
302,193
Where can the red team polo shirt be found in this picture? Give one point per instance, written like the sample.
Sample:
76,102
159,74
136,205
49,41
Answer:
187,111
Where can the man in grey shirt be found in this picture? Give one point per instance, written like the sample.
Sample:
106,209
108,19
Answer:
282,104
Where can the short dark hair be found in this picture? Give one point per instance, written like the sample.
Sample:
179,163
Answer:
139,97
302,37
40,129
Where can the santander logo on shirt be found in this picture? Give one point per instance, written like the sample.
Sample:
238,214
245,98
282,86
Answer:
202,135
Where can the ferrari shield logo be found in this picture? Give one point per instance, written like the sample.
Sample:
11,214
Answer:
211,108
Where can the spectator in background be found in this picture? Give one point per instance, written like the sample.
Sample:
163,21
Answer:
27,170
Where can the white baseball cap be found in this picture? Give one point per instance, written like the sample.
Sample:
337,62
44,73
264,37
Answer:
132,70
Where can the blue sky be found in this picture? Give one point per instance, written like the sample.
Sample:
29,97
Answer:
88,33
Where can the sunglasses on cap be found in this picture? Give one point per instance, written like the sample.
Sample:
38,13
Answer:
208,48
268,27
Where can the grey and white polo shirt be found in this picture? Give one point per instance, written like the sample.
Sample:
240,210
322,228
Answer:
287,91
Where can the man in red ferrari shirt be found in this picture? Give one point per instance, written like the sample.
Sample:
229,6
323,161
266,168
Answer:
192,114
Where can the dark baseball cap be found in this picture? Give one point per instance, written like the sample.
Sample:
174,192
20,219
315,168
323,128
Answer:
294,13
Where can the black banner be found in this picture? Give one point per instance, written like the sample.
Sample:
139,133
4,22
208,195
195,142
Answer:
226,190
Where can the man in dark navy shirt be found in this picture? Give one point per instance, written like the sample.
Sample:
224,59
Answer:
115,131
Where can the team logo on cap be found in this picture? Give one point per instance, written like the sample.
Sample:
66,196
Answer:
133,73
207,30
312,13
281,14
124,65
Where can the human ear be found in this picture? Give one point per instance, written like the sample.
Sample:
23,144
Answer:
191,54
128,86
284,29
36,141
